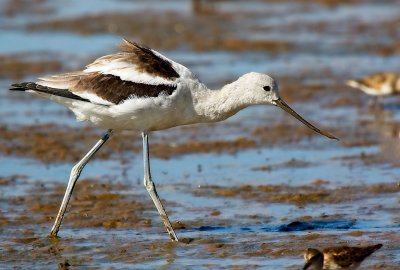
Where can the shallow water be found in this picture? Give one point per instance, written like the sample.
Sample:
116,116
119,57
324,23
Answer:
258,206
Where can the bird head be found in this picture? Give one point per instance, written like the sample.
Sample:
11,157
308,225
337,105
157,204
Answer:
265,91
314,259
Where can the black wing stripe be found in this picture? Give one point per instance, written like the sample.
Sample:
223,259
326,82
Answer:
45,89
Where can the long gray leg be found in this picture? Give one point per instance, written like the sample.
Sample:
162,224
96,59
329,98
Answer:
372,102
151,188
75,173
379,102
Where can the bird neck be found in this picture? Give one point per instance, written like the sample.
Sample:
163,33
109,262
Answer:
218,105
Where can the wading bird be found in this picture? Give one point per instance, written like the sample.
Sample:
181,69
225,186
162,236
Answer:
378,85
139,89
345,258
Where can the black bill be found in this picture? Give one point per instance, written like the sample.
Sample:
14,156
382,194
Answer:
280,103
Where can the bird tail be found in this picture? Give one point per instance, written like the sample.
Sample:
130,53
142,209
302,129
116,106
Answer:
368,251
20,86
374,248
352,83
31,86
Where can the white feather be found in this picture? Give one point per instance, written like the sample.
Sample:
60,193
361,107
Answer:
94,98
56,84
126,71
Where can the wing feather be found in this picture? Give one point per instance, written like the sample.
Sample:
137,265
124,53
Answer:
136,63
134,72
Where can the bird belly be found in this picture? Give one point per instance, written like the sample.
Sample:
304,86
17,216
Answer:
148,114
376,92
135,114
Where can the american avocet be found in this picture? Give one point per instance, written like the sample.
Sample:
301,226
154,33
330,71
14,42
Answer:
378,85
337,257
140,89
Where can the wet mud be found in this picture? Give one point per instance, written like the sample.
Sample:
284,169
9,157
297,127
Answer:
300,195
175,30
106,210
17,66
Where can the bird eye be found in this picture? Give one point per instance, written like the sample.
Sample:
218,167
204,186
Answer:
267,88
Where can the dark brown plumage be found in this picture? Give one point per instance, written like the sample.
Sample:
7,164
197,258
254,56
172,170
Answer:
147,61
342,257
133,59
345,256
115,90
106,86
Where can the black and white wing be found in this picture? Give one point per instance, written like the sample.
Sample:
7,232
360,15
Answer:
134,72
